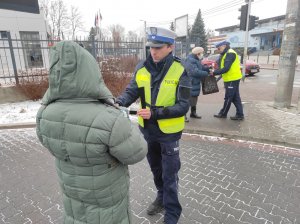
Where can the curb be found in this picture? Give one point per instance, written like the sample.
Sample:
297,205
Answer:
240,137
188,131
18,125
271,68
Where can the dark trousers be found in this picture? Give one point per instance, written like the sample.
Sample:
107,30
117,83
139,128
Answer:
193,101
232,95
165,163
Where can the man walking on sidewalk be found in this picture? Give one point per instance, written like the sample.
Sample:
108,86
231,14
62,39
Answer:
229,68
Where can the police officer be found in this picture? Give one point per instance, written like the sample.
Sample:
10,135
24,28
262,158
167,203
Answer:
166,87
229,68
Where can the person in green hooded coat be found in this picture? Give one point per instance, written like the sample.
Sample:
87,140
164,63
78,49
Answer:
92,141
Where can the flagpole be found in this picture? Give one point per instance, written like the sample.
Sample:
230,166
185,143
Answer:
100,43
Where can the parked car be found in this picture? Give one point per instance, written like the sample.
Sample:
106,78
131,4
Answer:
251,66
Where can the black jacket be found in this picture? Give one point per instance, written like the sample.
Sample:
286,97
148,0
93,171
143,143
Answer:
181,107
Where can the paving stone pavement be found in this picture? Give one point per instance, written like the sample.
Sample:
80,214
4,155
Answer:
262,123
221,181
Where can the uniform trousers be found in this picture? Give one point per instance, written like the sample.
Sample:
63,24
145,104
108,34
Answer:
164,162
232,95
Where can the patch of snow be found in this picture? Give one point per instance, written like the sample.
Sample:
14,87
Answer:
25,112
21,112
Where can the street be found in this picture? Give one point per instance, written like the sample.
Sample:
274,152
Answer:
260,87
221,181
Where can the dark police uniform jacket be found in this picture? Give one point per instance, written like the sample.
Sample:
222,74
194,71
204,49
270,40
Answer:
181,107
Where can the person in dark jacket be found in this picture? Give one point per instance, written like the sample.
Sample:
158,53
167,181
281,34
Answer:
165,87
196,71
229,68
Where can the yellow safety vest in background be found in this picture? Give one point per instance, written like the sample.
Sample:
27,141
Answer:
166,96
234,73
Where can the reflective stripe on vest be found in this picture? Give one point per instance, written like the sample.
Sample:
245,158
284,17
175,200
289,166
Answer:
234,73
166,96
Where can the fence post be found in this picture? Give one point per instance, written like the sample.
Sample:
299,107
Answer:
93,47
13,60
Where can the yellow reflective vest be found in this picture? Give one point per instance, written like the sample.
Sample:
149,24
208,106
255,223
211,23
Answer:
234,73
166,96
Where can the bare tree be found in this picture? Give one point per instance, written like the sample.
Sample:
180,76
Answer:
62,18
105,33
75,20
58,18
44,6
132,36
53,17
117,32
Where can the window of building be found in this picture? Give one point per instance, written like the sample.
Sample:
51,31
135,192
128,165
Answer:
3,34
32,49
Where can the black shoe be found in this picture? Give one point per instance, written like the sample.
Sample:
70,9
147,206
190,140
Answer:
220,116
186,119
237,118
194,115
155,207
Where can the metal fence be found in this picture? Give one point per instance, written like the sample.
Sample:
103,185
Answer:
26,58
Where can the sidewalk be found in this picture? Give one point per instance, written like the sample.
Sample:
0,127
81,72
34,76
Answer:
274,66
262,123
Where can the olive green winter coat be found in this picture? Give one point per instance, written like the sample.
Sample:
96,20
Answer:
92,142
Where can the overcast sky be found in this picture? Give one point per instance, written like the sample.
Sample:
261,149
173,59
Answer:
129,13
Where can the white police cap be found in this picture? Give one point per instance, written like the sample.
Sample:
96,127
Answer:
158,36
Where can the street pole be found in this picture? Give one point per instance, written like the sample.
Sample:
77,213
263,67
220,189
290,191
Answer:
246,41
187,49
298,107
288,56
145,38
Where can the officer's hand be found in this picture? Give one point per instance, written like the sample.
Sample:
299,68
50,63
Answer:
144,113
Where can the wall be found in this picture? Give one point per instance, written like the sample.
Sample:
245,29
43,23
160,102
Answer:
14,22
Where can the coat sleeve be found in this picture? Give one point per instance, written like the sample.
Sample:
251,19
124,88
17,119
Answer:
198,71
131,94
126,143
194,69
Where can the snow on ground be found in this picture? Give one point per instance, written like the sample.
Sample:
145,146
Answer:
21,112
24,112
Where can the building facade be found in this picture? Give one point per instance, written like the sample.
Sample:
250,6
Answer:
23,32
267,35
